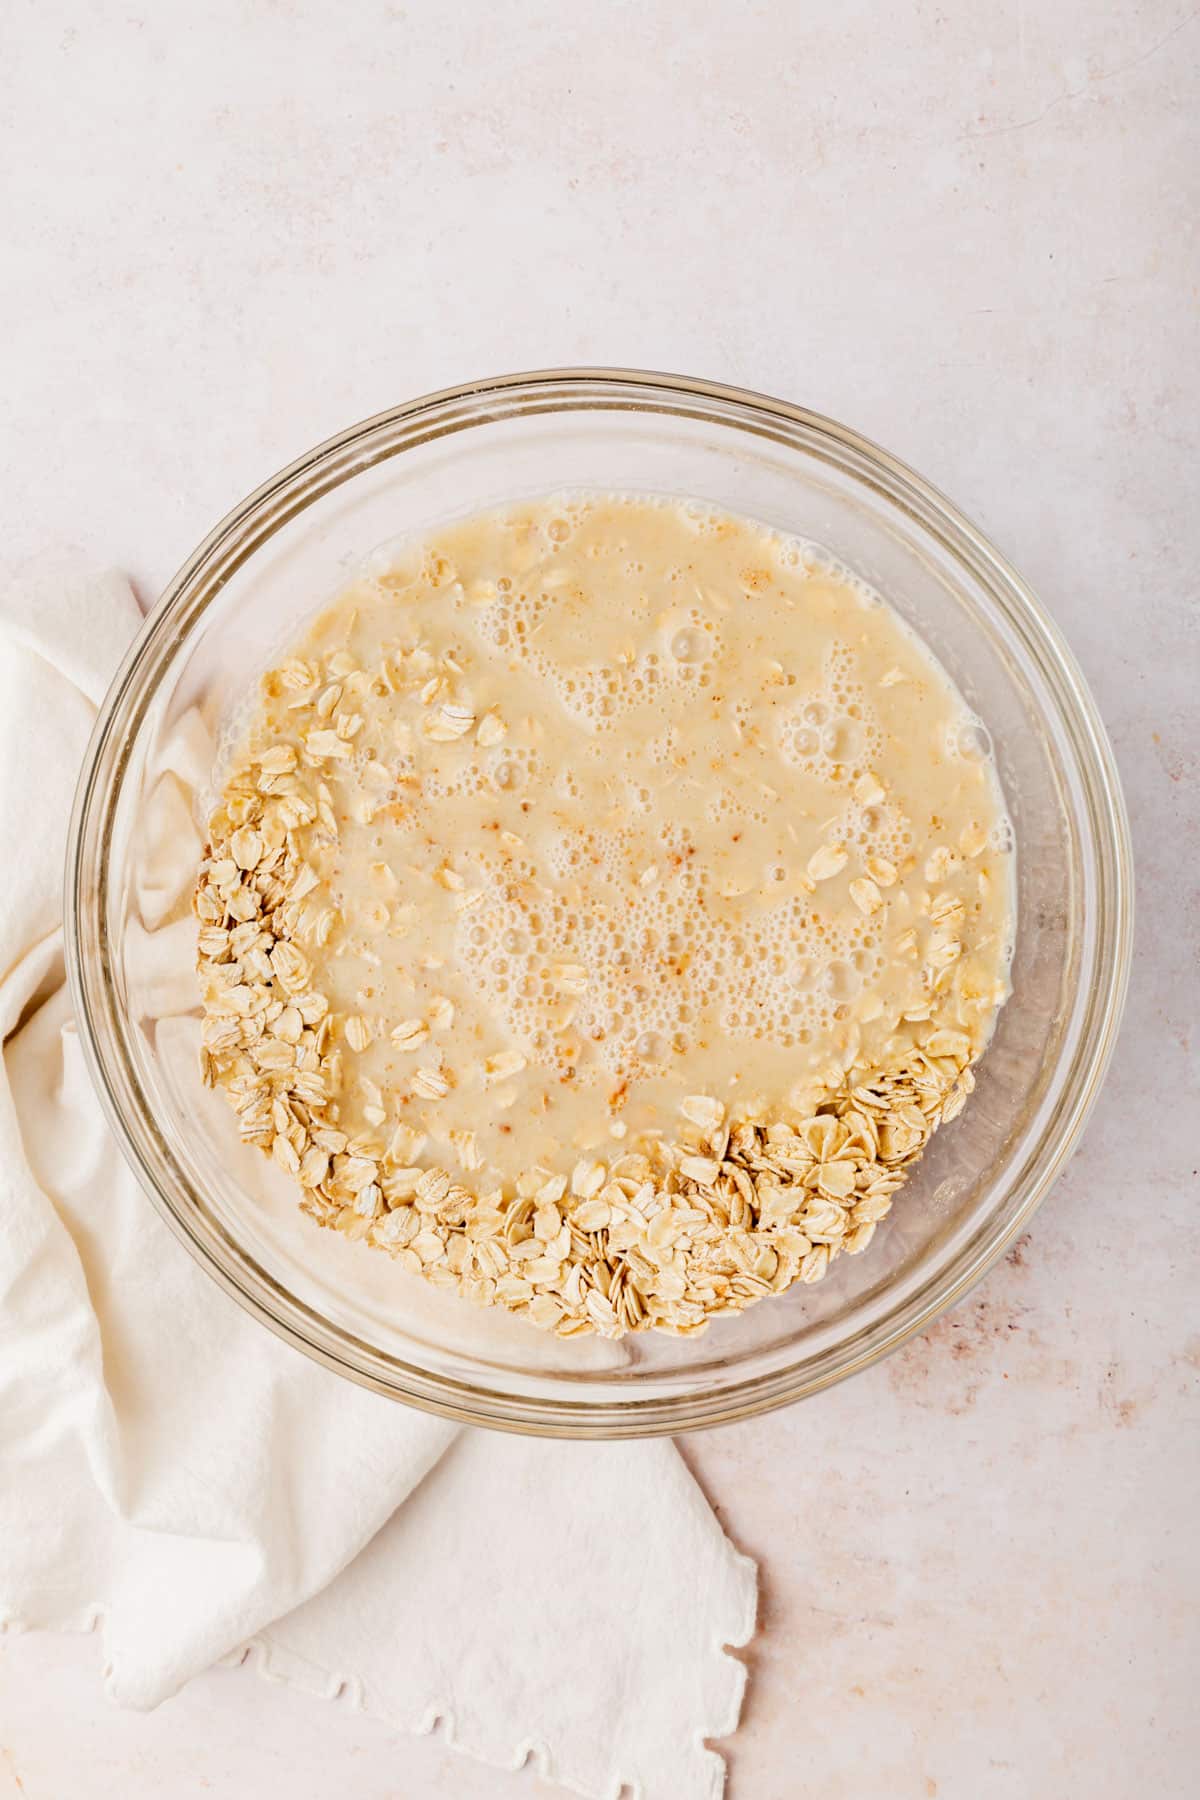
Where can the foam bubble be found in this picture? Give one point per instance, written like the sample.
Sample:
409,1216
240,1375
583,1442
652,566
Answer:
969,739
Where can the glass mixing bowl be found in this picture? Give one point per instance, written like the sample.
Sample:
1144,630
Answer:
291,545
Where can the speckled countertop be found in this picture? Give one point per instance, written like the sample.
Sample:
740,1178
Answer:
231,230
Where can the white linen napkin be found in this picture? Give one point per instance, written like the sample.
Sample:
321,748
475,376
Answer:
171,1471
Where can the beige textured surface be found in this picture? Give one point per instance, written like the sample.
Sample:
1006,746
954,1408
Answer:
971,234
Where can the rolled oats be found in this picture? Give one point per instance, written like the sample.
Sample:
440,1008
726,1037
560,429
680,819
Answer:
323,974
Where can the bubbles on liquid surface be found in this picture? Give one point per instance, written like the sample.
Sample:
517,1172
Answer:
670,962
971,740
687,646
841,981
668,954
842,741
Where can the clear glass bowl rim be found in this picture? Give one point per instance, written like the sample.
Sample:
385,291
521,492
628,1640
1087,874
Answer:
238,536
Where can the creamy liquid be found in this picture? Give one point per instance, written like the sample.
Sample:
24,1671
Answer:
643,801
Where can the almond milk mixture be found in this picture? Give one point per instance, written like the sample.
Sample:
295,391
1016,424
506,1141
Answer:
606,905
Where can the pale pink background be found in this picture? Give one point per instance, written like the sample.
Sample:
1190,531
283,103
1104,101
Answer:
231,229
